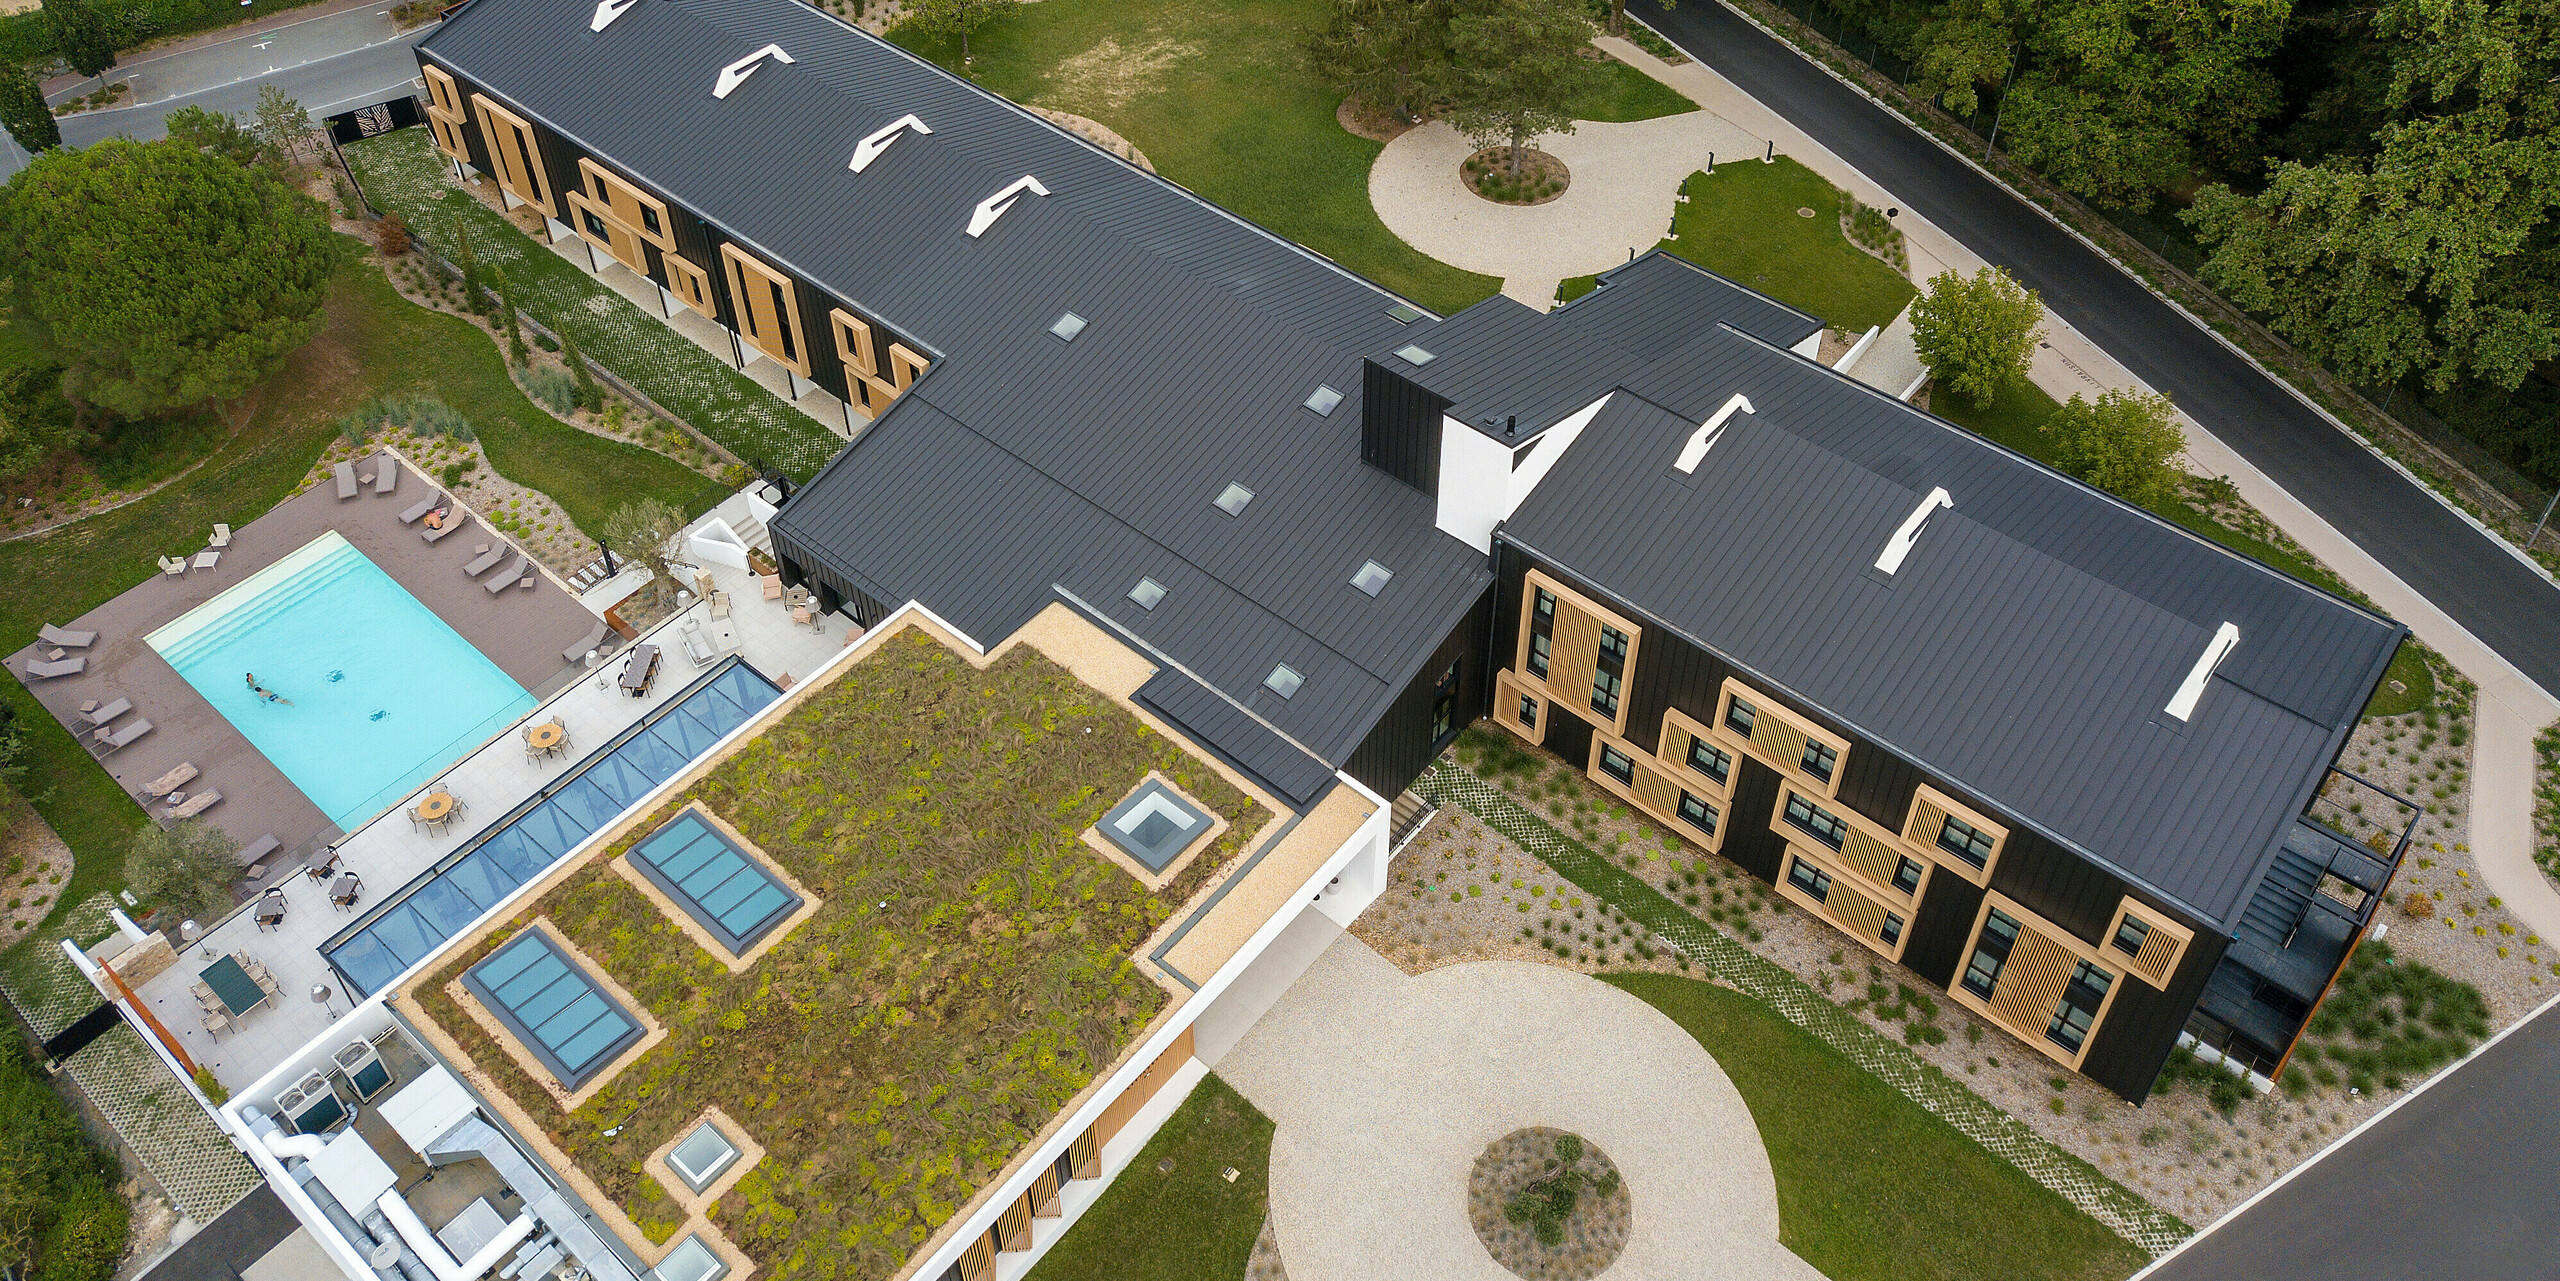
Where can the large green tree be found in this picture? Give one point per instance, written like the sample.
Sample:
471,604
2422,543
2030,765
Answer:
2123,442
955,17
23,110
214,132
1976,333
159,276
81,35
2439,255
185,870
1386,53
35,423
1517,69
60,1216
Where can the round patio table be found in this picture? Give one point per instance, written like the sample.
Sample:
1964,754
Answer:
436,807
547,736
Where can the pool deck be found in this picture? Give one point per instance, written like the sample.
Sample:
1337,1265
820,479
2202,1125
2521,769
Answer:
521,631
491,782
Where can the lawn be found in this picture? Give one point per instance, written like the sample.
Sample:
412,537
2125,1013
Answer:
1188,1224
967,973
1627,94
374,342
402,171
1217,95
1870,1185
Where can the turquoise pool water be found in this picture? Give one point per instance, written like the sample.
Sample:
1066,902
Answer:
380,693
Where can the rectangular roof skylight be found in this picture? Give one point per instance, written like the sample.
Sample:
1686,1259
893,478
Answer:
1404,313
717,884
1284,680
1068,326
1372,578
1323,399
1233,498
1414,354
1147,593
552,1007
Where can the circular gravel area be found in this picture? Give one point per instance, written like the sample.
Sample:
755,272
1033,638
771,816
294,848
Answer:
1522,1168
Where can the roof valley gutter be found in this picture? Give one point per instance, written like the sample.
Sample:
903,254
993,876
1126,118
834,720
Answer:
1551,564
1170,661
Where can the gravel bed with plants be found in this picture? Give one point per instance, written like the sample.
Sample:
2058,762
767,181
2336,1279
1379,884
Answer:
1548,1205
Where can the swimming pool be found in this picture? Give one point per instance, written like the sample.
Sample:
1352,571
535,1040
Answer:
377,692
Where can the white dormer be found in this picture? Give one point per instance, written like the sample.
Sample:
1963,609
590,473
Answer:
994,207
1708,433
736,73
1908,536
1483,481
878,140
607,11
2226,638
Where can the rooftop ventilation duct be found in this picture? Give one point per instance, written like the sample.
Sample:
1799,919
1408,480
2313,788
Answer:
1905,538
2226,638
736,73
1704,439
878,140
607,11
995,206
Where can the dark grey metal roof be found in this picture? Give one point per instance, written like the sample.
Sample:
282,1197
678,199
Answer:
2028,645
1237,738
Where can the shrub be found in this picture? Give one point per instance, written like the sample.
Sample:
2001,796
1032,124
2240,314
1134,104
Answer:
391,235
2122,442
557,391
187,869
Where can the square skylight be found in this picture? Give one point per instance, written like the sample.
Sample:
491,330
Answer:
701,1156
1323,400
1414,354
1404,313
1154,824
1372,578
691,1260
1284,680
1234,498
1068,326
1147,593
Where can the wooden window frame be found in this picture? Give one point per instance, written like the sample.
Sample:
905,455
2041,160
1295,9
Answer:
905,367
1678,728
2050,933
1835,913
2166,959
506,158
1651,776
745,273
683,273
620,241
1763,707
1509,688
591,173
1579,664
1872,867
862,380
1926,842
446,118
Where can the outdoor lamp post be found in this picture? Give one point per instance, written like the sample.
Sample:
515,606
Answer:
320,996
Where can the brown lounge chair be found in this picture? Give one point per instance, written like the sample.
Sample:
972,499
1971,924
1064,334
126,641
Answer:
577,653
107,741
480,564
171,781
453,521
255,854
197,804
101,715
418,512
58,667
346,474
52,635
386,474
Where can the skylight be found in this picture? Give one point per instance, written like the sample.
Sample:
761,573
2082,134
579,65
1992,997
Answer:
1323,399
1068,326
1232,501
702,1156
1372,578
2226,638
1900,545
1284,680
1404,313
1147,593
1414,354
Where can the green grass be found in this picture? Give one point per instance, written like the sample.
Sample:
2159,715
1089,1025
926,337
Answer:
1741,223
1627,94
2409,667
1188,1225
1870,1185
402,171
1217,96
373,343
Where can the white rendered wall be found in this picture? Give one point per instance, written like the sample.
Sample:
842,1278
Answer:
1479,487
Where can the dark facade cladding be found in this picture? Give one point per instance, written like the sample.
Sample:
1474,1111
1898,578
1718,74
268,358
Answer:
1400,426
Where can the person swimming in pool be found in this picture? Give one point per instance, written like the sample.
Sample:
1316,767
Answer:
263,692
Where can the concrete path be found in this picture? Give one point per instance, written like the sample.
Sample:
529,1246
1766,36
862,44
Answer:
1626,178
1385,1088
1891,361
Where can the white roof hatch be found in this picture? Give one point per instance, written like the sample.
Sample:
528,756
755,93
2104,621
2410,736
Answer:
1705,437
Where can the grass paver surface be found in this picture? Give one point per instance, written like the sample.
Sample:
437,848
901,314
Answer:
968,972
402,171
1870,1184
1186,1225
1217,95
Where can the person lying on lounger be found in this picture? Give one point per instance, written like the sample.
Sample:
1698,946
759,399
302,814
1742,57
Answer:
435,519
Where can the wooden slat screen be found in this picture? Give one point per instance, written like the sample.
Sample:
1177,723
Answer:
1573,657
1144,1088
1675,751
690,284
1871,858
1656,789
1085,1154
1013,1227
1508,689
1782,743
2159,953
1044,1194
1859,914
1927,819
768,307
2031,983
517,155
978,1262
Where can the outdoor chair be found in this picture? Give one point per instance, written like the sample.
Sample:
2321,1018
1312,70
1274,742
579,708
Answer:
266,982
772,585
173,567
177,777
346,474
58,667
196,804
386,475
52,635
497,583
795,598
203,994
216,1022
719,604
113,740
419,510
101,715
455,521
480,564
221,536
256,853
270,910
577,652
324,869
697,646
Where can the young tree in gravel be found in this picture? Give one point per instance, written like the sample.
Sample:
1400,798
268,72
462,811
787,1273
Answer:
23,110
507,318
590,397
159,276
1385,53
1976,333
646,530
81,36
2123,442
1516,70
187,869
469,264
281,124
954,18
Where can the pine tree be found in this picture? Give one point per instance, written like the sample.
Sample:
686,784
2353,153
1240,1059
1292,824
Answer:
507,318
590,396
81,36
23,111
469,262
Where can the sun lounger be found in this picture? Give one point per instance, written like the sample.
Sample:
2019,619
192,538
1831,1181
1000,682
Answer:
197,804
171,781
57,667
452,522
480,564
419,512
101,716
256,853
173,566
578,652
500,582
221,536
346,474
52,635
386,474
108,741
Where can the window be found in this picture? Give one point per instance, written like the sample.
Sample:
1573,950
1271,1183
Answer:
1892,931
702,1156
552,1008
1711,760
1372,577
1414,355
1990,952
691,1260
1817,822
1739,716
1812,880
1232,499
1611,672
1147,594
1284,680
1322,400
594,225
1906,878
725,890
1444,703
1068,326
2129,936
2078,1008
1529,710
1617,764
1965,841
1820,759
1154,824
1542,633
649,221
1404,313
1697,813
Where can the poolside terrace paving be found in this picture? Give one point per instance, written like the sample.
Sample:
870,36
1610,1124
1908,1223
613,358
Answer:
389,852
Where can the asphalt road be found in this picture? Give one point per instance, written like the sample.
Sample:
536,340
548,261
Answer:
2481,585
2458,1182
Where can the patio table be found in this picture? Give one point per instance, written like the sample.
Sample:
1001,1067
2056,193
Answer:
642,668
232,985
546,737
436,807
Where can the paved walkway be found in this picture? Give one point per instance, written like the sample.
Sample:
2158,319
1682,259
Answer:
1626,178
1385,1088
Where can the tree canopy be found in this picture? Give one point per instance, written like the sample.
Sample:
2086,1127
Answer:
61,1218
1516,69
2123,442
82,36
159,276
23,111
954,17
1976,333
186,870
1387,53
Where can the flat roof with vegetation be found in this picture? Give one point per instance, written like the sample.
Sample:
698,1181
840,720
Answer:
969,968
